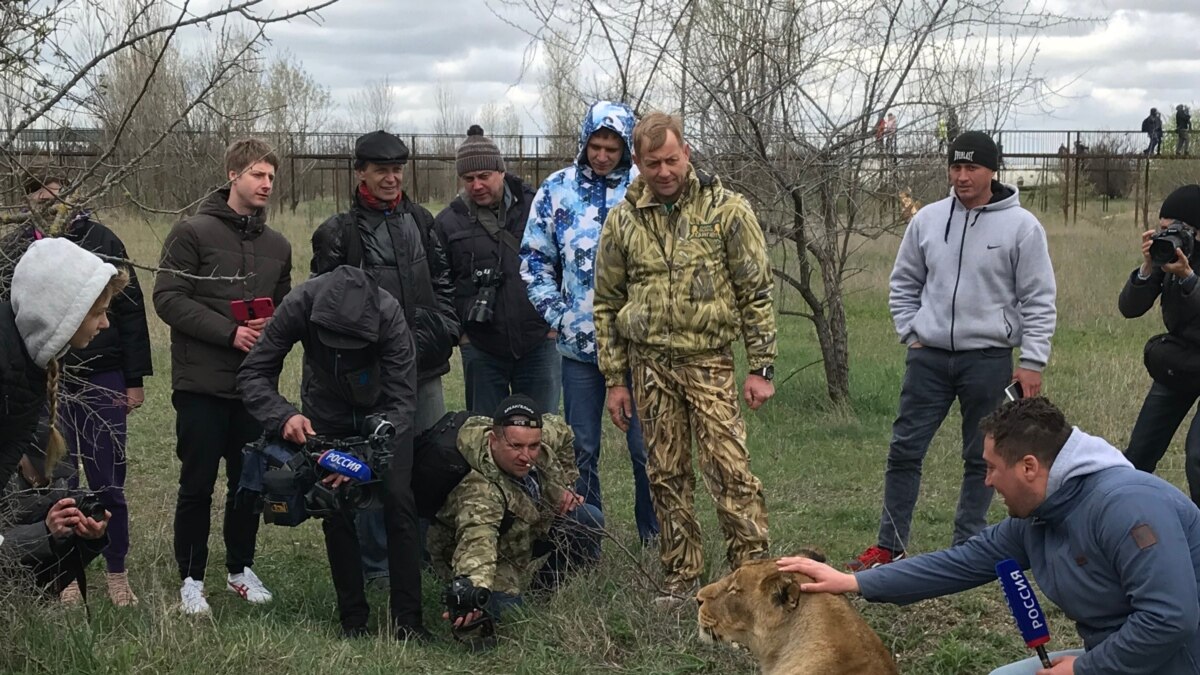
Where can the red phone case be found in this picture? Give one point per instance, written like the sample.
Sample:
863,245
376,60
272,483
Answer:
247,310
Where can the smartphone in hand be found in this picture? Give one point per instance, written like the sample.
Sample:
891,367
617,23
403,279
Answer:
1013,391
247,310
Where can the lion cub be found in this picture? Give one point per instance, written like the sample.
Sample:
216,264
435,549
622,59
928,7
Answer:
790,632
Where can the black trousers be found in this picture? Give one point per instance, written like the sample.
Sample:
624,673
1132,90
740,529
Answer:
209,429
404,553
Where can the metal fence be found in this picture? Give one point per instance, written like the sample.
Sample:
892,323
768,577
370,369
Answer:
1057,170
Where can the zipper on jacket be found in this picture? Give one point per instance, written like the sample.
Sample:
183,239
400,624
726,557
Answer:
958,274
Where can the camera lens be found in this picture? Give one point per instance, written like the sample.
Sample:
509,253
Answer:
1162,249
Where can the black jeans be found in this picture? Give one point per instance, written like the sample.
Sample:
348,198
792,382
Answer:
1162,413
209,429
404,553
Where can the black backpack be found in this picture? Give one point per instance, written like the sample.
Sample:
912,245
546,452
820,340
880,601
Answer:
438,466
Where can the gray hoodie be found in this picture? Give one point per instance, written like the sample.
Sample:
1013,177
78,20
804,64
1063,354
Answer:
975,278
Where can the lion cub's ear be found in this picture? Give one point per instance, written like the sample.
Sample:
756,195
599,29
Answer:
783,589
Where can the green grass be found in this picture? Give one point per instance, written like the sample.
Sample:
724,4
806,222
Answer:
822,468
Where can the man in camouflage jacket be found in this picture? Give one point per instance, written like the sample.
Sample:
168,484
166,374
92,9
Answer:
681,272
515,506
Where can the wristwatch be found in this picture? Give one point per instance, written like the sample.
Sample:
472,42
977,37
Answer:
766,372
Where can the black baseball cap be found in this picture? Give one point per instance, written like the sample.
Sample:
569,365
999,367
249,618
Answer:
518,410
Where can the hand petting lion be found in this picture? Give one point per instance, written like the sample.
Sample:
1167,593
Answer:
790,632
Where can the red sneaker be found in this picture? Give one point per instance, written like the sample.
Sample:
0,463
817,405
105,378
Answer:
874,557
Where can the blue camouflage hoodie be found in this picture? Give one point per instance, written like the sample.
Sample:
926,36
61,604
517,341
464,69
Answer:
558,250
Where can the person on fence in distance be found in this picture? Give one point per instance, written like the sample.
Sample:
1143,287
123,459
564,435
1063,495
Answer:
681,272
506,346
60,296
1118,550
557,262
514,508
103,385
358,361
1183,130
1152,126
1173,358
224,253
972,280
391,237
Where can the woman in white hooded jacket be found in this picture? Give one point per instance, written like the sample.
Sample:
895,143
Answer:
59,299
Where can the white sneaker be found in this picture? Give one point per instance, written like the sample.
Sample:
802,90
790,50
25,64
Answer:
249,586
191,598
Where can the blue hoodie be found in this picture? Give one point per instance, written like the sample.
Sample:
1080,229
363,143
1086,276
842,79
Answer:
558,251
1117,549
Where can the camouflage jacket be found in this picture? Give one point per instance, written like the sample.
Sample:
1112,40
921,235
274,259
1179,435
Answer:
683,281
465,538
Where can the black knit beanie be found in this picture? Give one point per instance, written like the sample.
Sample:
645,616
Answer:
975,147
1182,204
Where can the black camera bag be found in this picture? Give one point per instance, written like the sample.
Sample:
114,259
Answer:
1174,363
438,466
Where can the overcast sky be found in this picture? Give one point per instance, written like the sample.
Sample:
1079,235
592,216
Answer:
1143,53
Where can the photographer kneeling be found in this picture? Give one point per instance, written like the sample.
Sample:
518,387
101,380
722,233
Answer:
49,530
359,361
511,509
1172,358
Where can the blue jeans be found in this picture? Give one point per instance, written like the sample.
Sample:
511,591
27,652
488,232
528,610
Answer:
372,534
490,379
1162,413
583,406
1031,665
933,379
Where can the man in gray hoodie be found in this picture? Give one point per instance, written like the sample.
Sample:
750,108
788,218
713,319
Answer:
1116,548
972,281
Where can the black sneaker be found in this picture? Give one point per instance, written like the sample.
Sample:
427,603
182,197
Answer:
355,632
412,634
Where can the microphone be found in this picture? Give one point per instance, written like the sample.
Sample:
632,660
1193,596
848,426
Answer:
1025,608
345,464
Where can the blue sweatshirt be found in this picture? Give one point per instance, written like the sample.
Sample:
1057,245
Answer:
976,278
1117,549
558,251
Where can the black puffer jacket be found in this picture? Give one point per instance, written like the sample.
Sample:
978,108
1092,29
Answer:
415,271
125,344
216,242
340,386
22,396
1180,301
517,327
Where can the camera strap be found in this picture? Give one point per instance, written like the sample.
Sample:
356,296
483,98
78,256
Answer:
499,234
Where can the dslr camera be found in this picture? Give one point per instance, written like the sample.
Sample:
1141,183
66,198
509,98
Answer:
1176,237
89,504
487,280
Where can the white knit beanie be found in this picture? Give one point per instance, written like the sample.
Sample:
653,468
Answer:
54,286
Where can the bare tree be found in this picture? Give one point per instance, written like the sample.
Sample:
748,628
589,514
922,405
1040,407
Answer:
781,96
373,106
560,99
450,120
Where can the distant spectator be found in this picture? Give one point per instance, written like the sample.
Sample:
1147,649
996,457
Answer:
1152,126
1183,128
889,133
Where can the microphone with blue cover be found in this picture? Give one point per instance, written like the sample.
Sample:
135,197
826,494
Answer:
1025,608
345,464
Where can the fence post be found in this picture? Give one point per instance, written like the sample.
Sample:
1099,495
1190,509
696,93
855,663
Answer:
1078,159
1146,195
537,160
416,191
1137,193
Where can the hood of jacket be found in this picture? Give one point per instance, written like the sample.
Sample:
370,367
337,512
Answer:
616,117
216,205
641,196
54,286
1081,456
347,303
473,444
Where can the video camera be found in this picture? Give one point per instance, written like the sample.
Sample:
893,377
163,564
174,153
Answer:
487,280
463,598
286,479
1164,243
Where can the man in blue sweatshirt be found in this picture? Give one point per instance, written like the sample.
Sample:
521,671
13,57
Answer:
1116,548
972,281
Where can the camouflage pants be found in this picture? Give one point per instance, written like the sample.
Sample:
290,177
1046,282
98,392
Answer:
674,401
